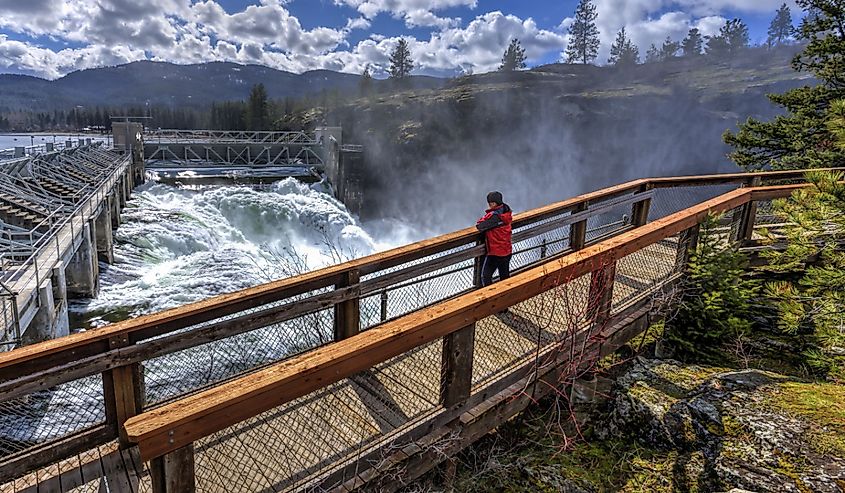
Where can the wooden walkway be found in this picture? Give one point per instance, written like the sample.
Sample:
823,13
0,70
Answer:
371,407
294,446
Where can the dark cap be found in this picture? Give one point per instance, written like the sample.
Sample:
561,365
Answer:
495,198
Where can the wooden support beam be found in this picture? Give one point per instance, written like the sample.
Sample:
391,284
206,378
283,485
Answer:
600,299
456,369
687,243
122,393
640,210
578,231
174,471
749,214
347,314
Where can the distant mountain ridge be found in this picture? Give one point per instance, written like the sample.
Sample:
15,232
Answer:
163,83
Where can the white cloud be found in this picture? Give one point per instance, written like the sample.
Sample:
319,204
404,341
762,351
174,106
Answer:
104,32
26,57
416,13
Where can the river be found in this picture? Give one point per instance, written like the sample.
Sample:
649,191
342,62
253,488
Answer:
176,246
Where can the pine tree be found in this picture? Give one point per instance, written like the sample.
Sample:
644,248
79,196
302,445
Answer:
801,138
781,28
514,57
584,42
717,297
366,84
623,52
258,110
693,43
815,227
401,63
653,54
732,38
669,49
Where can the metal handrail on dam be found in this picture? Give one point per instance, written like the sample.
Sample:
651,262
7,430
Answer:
46,201
363,374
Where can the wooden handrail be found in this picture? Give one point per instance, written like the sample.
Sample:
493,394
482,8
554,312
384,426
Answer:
38,357
182,422
94,341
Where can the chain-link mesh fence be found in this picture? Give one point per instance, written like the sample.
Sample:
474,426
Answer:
50,414
668,201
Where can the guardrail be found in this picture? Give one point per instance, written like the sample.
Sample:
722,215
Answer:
46,148
142,365
230,137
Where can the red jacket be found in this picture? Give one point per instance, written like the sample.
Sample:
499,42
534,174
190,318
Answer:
496,225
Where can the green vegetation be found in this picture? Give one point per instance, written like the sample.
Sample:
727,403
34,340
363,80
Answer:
584,42
821,406
716,304
732,38
522,456
623,52
780,30
258,110
802,138
693,43
401,63
812,304
514,57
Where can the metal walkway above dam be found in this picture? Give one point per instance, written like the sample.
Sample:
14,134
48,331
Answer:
364,375
57,211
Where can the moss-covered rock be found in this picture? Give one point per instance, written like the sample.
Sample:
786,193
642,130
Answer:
753,429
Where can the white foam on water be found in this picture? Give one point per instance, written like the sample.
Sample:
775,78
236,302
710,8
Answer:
177,246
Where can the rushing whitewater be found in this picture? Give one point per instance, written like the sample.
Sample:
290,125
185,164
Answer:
175,246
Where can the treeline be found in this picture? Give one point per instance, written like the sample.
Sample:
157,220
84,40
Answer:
584,44
98,118
258,112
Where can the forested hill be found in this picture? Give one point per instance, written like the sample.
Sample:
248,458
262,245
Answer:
160,83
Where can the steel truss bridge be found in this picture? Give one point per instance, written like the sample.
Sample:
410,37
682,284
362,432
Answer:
364,375
212,148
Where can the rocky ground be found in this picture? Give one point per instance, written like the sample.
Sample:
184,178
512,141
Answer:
670,427
749,429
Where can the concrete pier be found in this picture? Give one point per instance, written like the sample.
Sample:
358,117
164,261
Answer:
82,271
104,236
51,317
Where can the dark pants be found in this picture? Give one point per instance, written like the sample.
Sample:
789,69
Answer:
491,264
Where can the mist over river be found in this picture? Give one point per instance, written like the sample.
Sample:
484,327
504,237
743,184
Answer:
176,246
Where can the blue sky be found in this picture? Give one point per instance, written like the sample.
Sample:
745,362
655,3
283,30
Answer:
50,38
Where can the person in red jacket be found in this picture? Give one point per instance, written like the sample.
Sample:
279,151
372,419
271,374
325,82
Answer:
496,226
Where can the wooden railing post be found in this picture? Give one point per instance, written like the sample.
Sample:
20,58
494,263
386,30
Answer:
748,215
174,472
600,299
123,392
578,231
458,353
456,369
347,314
640,210
687,244
383,305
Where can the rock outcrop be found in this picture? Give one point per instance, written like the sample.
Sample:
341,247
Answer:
744,429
